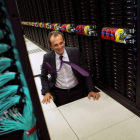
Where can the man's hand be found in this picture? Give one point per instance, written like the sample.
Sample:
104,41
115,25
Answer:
95,95
47,98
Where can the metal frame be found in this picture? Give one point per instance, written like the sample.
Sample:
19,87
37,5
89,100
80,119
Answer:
14,17
138,56
99,37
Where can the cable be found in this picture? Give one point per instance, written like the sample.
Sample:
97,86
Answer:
120,35
7,103
8,91
28,110
14,95
12,121
4,48
4,78
5,63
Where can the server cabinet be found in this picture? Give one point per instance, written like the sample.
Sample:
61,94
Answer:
16,51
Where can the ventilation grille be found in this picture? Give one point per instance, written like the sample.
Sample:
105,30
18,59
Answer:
34,51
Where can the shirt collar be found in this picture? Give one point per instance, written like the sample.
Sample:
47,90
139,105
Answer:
64,54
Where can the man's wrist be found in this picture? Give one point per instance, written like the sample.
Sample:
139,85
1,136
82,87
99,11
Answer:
93,91
47,93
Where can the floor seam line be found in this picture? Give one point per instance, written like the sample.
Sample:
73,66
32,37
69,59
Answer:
68,124
108,127
49,109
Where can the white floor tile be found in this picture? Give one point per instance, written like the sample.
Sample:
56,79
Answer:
45,107
87,117
30,45
36,62
126,130
57,126
36,59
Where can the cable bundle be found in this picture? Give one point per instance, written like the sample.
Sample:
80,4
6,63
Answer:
8,91
4,78
3,33
47,25
5,63
32,24
8,102
36,24
12,121
115,34
41,25
112,34
4,48
120,35
8,98
68,28
103,33
14,94
55,26
88,30
108,33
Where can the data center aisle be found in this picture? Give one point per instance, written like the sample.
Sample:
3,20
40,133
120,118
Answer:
35,56
85,119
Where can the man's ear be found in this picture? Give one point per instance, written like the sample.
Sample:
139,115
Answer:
50,46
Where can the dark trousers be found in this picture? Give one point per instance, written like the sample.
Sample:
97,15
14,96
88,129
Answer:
64,96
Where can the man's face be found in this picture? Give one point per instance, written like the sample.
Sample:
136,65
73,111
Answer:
57,44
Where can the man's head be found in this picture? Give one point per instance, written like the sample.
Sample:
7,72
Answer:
56,42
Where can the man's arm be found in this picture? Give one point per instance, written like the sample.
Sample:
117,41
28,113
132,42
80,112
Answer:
45,84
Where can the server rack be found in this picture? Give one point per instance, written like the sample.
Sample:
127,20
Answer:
138,56
20,46
120,82
40,19
87,14
47,19
69,17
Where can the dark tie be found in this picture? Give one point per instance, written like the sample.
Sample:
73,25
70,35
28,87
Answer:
76,67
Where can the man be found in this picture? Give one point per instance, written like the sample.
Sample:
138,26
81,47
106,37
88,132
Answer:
65,80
